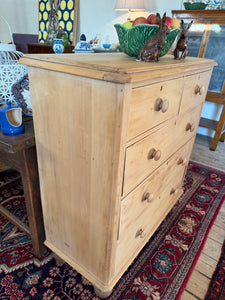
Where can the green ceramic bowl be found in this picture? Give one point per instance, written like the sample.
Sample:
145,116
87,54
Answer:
195,5
131,40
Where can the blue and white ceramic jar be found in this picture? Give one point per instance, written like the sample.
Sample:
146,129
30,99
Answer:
215,4
82,46
58,47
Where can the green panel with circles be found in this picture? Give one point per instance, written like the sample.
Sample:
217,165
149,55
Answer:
65,14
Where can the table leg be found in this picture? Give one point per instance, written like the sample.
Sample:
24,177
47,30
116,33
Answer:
30,179
222,138
218,130
25,162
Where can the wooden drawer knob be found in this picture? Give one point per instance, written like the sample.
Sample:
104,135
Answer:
161,105
199,90
147,197
173,191
182,161
140,233
190,127
202,90
153,153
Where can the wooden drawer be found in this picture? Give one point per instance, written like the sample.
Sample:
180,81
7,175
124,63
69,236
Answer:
140,162
145,107
139,218
195,89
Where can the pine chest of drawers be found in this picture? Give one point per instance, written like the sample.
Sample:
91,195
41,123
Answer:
113,138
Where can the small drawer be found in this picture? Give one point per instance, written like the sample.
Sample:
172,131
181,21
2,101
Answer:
143,157
195,89
187,124
144,208
152,105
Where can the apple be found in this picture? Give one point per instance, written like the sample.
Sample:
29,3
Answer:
151,19
140,20
128,24
169,21
175,24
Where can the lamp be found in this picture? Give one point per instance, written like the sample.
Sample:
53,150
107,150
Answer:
130,5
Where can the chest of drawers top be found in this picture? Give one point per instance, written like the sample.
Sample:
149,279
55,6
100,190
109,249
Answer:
116,67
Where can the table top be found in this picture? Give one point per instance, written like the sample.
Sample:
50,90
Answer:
202,16
16,143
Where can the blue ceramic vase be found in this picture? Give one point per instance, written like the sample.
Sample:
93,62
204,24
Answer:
58,47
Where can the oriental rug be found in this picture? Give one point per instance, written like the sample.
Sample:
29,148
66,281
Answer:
216,289
160,271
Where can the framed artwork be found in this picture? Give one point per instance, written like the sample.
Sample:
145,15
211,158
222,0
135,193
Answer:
67,17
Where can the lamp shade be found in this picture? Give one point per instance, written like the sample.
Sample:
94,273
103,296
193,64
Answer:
131,5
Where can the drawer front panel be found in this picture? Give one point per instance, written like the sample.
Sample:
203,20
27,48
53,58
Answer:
195,89
151,105
148,154
144,208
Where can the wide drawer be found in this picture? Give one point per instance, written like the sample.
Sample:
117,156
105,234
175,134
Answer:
143,157
153,104
195,89
144,208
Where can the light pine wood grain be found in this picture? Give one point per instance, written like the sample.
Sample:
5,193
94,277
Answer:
191,94
168,138
82,107
136,212
143,112
118,67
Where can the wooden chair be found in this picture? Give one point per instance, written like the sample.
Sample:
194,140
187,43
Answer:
208,18
22,40
217,126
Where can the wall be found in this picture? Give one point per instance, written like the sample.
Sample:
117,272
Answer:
22,15
98,17
94,17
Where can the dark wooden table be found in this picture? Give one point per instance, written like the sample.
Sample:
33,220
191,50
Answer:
19,153
42,48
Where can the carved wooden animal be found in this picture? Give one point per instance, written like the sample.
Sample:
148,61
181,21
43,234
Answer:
53,25
151,49
182,42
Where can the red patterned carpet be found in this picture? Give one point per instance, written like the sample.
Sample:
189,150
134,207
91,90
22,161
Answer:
216,289
160,271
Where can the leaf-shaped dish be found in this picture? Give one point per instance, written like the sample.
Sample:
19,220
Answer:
131,40
195,5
